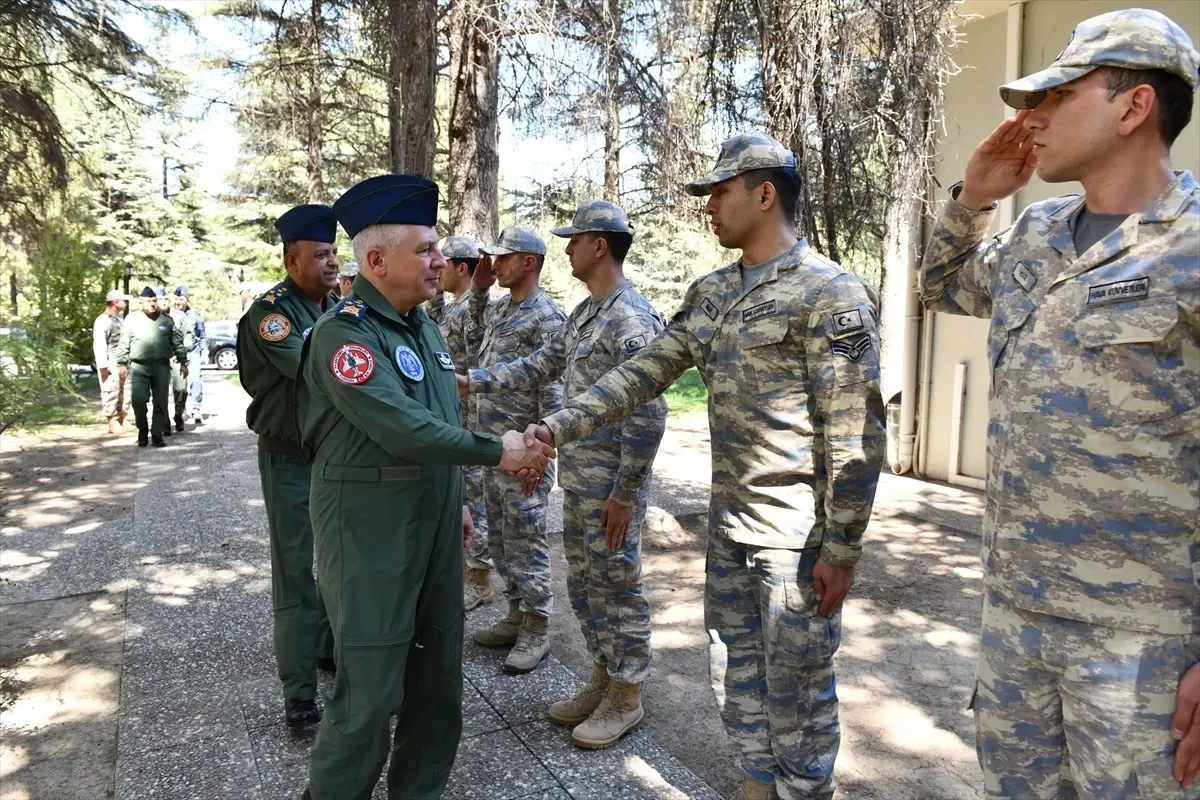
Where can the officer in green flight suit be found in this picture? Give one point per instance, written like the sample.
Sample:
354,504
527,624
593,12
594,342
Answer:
271,335
378,409
148,341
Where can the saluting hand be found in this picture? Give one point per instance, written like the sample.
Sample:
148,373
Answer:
1000,166
464,386
484,275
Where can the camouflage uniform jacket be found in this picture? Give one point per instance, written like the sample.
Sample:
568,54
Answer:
614,461
464,339
1093,484
106,337
792,369
513,331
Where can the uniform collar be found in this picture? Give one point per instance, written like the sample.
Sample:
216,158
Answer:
365,291
787,260
607,301
327,300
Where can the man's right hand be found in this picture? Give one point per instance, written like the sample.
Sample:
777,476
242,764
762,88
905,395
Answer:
123,371
538,433
484,275
464,386
1001,165
519,456
104,373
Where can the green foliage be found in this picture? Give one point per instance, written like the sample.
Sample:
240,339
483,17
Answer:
70,291
34,376
688,395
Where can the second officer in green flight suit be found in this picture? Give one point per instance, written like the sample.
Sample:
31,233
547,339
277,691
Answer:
379,410
270,337
148,341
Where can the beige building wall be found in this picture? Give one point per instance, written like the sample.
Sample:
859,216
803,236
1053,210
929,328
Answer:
1039,29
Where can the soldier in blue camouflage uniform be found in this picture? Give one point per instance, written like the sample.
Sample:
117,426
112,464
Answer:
515,325
1088,672
191,393
465,338
604,476
786,342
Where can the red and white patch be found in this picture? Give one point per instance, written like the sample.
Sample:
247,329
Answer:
274,328
352,364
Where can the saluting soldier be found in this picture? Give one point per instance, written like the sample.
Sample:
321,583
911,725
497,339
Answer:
604,477
270,337
379,412
149,339
787,343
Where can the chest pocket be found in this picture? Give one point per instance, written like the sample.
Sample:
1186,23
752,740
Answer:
1005,334
1136,365
506,344
768,365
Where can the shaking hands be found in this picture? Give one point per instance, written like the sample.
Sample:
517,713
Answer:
525,458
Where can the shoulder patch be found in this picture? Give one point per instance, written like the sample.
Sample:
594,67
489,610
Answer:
710,309
851,349
275,294
635,343
352,308
846,321
274,328
352,364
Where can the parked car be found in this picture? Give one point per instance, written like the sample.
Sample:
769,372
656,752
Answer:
222,343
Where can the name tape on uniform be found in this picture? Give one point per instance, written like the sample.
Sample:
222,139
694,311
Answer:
1136,289
274,328
846,321
352,364
759,311
1024,277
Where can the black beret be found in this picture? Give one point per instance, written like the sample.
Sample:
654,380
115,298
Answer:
312,223
387,200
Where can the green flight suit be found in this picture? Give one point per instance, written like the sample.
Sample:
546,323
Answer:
270,337
147,344
378,407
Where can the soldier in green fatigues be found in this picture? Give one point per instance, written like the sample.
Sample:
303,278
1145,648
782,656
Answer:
271,335
148,341
378,409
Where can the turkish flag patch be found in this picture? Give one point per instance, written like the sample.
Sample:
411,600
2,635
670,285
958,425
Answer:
352,364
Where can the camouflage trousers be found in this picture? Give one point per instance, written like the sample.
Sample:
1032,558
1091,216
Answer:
115,394
1066,709
478,556
517,538
606,590
771,656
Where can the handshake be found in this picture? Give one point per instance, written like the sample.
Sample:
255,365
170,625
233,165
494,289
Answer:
526,455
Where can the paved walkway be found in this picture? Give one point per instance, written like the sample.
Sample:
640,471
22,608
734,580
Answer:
185,552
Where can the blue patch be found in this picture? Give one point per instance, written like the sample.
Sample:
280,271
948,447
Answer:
410,366
445,360
307,331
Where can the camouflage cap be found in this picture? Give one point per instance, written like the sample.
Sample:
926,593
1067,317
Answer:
516,240
114,295
1133,38
597,216
459,247
348,270
743,153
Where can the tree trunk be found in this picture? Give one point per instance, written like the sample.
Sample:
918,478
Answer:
611,119
412,76
473,191
314,138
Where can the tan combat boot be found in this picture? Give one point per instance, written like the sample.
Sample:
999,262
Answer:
533,643
477,588
755,790
618,713
114,427
505,632
575,710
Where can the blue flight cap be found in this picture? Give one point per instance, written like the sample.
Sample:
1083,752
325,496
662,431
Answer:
148,292
387,200
312,223
181,291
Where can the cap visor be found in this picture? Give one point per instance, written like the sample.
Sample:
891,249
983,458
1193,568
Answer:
1028,92
496,250
701,187
567,231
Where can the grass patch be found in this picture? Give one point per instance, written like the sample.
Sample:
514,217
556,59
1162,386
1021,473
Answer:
687,395
234,378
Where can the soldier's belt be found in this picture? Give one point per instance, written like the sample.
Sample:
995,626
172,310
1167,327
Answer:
371,474
283,446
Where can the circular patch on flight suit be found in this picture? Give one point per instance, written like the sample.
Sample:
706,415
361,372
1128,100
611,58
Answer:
352,364
409,364
274,327
307,331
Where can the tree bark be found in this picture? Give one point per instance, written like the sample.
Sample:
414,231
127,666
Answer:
611,118
473,191
314,133
412,79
